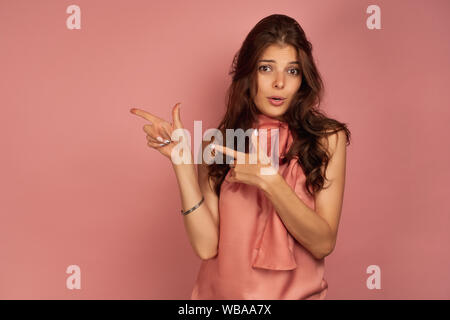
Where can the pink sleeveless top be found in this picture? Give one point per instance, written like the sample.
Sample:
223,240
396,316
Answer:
257,257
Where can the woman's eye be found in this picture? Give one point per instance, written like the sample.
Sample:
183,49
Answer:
297,71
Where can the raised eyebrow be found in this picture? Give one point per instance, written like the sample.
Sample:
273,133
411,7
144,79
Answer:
292,62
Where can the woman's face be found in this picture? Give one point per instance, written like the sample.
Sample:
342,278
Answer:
278,74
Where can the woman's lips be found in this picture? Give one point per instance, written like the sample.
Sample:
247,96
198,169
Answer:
276,103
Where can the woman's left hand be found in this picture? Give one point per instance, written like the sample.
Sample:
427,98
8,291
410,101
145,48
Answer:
254,168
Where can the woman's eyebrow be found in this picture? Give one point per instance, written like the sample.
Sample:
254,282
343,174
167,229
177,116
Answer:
292,62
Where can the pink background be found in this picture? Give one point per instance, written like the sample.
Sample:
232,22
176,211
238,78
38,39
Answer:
80,185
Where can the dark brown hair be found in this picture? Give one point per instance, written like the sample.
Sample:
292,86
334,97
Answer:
307,123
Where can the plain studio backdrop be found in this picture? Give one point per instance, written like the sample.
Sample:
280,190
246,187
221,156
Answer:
81,190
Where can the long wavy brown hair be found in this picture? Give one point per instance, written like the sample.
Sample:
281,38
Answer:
307,123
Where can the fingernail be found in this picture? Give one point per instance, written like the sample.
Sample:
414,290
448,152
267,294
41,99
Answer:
162,144
159,139
255,132
166,141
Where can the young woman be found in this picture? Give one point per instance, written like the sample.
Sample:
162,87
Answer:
265,236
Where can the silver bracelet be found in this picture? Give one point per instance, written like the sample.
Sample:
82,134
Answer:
194,207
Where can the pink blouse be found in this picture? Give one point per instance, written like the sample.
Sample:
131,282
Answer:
257,257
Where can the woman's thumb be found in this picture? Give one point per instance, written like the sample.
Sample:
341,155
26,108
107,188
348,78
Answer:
176,116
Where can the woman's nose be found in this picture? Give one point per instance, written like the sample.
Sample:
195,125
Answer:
279,81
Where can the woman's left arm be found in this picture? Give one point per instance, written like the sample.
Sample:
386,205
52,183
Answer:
315,230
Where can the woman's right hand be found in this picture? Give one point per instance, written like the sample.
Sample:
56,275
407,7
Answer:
159,131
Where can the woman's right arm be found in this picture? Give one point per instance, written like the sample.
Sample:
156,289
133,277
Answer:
202,224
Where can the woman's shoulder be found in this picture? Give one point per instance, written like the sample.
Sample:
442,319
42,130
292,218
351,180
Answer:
332,140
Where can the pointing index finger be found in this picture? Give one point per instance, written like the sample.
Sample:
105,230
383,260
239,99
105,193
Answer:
144,114
230,152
